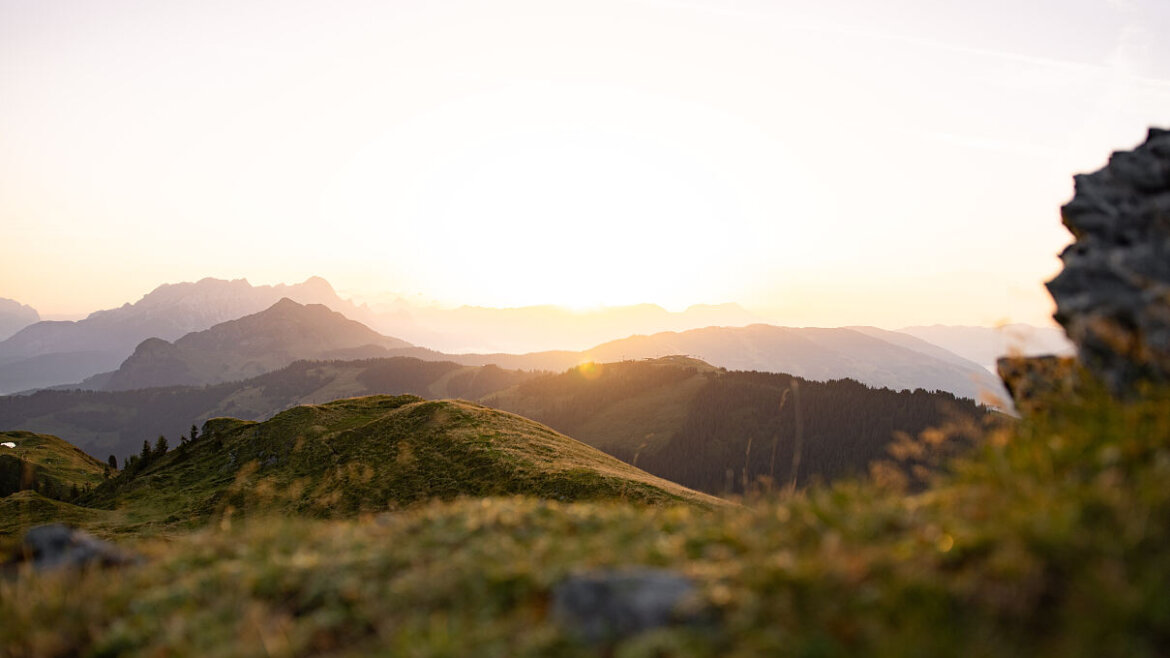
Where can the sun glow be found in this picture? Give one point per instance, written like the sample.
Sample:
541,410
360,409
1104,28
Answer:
817,162
582,197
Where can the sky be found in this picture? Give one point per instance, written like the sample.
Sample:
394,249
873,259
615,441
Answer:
821,163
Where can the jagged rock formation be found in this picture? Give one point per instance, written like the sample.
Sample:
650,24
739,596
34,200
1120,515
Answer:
1113,296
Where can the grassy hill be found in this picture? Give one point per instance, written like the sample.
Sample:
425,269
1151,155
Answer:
368,455
27,509
47,464
1051,539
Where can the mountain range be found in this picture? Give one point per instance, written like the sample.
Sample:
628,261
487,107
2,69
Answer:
37,354
984,345
250,346
49,353
542,328
288,331
174,336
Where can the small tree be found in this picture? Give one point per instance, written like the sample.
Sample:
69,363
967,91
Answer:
194,433
113,462
144,456
160,446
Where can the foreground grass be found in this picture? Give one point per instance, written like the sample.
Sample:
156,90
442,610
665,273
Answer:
1053,540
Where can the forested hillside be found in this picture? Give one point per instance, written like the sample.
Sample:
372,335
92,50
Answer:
716,431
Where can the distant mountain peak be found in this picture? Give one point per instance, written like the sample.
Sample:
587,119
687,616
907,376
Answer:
254,344
286,303
317,283
15,316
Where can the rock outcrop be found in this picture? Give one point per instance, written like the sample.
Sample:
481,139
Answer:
59,546
1113,296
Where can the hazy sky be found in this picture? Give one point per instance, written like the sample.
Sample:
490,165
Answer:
822,162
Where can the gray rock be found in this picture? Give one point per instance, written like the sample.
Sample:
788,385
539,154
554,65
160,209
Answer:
1113,296
55,546
605,606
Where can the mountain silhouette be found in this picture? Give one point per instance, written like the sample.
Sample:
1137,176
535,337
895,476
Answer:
250,346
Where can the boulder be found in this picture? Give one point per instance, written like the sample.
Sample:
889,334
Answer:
1113,296
606,606
60,546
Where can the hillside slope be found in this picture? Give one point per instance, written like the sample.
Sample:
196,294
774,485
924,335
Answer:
47,464
371,454
27,509
715,430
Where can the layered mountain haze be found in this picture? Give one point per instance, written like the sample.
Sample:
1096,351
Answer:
984,345
543,328
146,342
51,353
869,355
289,331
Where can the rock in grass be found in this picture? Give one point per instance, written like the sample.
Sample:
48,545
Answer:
57,546
1113,296
1036,382
605,606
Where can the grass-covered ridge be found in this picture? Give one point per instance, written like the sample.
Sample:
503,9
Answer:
1053,539
369,455
46,464
26,509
